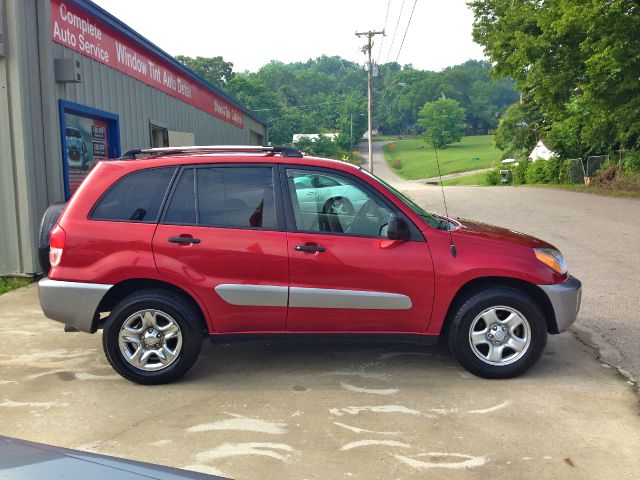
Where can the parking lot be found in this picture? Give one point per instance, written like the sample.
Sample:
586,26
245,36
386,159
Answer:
346,410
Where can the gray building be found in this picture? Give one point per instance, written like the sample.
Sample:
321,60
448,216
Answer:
76,86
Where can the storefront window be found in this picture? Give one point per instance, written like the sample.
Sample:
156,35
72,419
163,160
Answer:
88,136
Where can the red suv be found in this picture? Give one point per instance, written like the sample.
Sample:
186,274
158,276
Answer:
240,243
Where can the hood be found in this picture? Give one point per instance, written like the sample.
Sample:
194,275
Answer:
482,230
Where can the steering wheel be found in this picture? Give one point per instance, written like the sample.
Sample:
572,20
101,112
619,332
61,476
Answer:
363,212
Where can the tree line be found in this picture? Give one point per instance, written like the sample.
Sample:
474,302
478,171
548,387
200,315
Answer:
328,94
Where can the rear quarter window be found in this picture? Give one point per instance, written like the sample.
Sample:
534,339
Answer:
137,197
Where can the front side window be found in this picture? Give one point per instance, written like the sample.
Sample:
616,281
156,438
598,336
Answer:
136,197
238,197
332,203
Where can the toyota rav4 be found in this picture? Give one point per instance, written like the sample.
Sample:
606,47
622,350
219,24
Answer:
165,247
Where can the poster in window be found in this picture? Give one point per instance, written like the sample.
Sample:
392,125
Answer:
86,142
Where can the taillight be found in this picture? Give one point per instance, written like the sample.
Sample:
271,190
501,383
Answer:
57,237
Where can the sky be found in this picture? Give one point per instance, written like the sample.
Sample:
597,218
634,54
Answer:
251,33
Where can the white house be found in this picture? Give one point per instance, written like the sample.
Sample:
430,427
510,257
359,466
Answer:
541,151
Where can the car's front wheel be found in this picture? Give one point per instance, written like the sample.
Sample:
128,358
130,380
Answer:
152,337
498,333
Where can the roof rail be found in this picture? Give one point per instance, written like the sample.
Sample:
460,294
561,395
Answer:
159,152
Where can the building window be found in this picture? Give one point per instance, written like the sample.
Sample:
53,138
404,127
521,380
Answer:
256,138
88,136
159,136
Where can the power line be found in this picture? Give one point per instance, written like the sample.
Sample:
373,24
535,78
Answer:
300,106
394,32
383,29
406,30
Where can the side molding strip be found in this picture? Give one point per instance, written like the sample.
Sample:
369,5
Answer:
357,299
253,295
302,297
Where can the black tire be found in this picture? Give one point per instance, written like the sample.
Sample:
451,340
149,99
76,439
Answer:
49,220
497,300
182,312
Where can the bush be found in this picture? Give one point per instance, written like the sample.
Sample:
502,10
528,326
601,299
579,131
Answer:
606,176
552,170
536,172
631,162
493,176
520,172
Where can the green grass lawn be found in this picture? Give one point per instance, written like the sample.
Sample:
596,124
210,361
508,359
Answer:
11,283
418,160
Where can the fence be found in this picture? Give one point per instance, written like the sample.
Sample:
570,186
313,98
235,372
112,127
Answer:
580,171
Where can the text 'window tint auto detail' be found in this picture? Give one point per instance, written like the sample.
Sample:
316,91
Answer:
136,197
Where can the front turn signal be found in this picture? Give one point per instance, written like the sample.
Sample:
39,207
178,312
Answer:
551,258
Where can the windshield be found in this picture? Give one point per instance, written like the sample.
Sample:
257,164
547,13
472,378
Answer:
431,219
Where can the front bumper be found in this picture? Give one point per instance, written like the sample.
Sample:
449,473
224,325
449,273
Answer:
565,299
73,303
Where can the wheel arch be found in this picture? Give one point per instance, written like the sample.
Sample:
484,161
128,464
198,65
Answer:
126,287
483,283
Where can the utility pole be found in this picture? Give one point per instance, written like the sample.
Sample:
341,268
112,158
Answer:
367,51
351,139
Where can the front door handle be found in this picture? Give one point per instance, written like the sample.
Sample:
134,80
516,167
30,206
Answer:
310,248
184,240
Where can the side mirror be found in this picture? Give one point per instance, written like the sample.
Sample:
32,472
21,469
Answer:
397,229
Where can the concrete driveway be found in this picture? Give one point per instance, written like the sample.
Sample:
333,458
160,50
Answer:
259,410
255,410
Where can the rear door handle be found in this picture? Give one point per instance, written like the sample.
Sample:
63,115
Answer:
310,248
184,240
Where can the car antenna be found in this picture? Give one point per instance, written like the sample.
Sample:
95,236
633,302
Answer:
444,198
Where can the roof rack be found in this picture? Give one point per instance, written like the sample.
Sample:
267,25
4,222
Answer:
159,152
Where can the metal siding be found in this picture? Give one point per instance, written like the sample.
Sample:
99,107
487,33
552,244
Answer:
30,149
138,104
23,173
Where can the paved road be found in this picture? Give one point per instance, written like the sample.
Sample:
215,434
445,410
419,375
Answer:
325,411
599,237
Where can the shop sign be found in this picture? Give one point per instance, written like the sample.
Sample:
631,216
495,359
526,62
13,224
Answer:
75,29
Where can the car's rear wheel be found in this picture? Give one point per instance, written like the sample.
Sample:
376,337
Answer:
498,333
152,336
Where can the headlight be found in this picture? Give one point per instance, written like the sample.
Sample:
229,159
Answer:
552,258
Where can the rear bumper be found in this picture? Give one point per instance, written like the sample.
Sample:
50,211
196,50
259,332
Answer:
565,299
73,303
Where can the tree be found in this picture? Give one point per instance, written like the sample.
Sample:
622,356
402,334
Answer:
518,130
214,69
579,61
443,122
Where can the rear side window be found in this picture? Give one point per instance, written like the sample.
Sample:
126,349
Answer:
136,197
236,197
182,209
